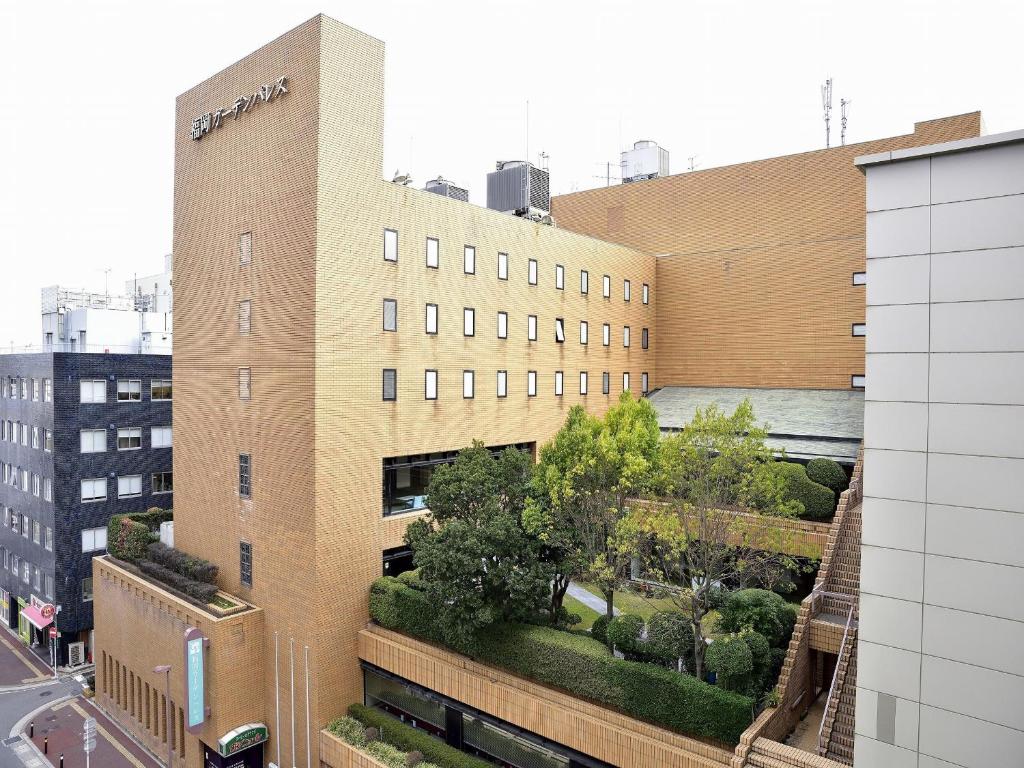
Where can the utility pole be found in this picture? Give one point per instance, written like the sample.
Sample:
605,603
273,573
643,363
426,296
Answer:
826,105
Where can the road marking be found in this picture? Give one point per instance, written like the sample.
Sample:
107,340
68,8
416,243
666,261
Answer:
106,734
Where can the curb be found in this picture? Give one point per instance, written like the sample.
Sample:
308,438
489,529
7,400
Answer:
19,727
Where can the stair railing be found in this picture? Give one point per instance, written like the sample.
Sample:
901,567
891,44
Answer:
823,748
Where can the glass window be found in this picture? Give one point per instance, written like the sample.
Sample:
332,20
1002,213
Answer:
532,273
430,385
390,315
163,482
858,381
467,384
390,384
35,437
860,278
48,538
559,330
643,382
93,440
431,319
625,335
503,325
160,437
129,486
129,438
531,383
606,286
584,331
860,329
606,334
558,383
244,316
94,489
584,281
559,277
531,327
245,248
244,383
245,475
390,245
469,260
625,382
245,563
433,252
35,390
129,390
87,590
93,391
644,338
94,539
626,293
583,382
37,532
160,389
47,489
48,441
468,322
605,383
502,383
645,294
49,586
502,266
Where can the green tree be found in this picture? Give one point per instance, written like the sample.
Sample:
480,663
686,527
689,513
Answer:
695,542
582,487
477,562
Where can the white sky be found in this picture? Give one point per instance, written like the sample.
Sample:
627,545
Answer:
86,107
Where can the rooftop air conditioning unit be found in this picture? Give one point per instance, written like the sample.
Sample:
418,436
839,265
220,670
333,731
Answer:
519,188
443,187
76,654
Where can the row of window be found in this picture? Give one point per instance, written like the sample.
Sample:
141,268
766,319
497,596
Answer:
128,390
433,261
128,486
28,482
11,431
23,525
390,323
430,383
18,387
128,439
33,575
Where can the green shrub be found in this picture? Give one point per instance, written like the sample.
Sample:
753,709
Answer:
828,473
197,590
818,500
408,738
580,665
387,754
193,568
730,659
599,629
624,633
349,730
409,578
127,539
669,637
760,610
761,659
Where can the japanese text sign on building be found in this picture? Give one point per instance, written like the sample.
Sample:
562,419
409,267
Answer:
195,693
205,123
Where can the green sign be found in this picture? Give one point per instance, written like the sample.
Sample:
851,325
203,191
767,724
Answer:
242,737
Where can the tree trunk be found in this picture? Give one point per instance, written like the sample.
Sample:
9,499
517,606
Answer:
558,590
609,596
699,646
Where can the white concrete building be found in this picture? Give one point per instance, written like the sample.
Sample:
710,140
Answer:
941,653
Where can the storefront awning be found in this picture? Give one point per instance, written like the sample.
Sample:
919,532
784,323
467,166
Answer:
35,617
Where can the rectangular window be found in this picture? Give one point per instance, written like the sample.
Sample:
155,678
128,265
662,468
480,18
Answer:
129,486
94,539
94,489
48,441
24,480
35,390
129,438
468,322
469,260
245,248
559,277
645,294
558,383
859,329
643,382
47,489
163,482
390,384
431,319
245,563
559,330
160,389
606,334
244,383
24,388
858,381
625,290
93,391
93,440
26,526
583,382
644,338
48,538
244,317
160,437
36,485
503,325
35,438
129,390
531,327
584,332
430,385
532,274
390,245
502,383
87,590
49,586
625,335
625,382
467,385
605,383
245,475
24,435
606,286
860,278
390,315
433,252
531,383
584,281
502,266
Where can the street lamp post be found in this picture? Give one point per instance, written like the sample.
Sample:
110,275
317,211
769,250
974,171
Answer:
165,669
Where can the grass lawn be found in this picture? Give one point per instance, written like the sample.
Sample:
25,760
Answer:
631,602
587,614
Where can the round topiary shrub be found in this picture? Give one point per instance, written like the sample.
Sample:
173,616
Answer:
730,659
624,633
670,638
828,473
599,629
759,610
761,659
818,501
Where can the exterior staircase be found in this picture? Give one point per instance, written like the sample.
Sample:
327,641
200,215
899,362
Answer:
836,738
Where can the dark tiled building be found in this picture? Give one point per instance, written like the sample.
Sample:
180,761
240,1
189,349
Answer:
82,437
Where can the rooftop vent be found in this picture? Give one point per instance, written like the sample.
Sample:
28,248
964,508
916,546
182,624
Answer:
443,187
519,188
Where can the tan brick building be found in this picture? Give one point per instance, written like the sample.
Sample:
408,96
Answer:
337,335
756,261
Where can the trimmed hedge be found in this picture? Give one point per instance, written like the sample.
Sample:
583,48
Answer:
579,665
410,739
194,568
828,473
129,535
818,500
198,590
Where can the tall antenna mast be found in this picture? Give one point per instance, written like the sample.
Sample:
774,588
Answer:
527,155
826,104
844,108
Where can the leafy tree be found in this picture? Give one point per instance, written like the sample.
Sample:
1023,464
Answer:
670,638
730,659
624,633
693,540
582,483
760,610
475,560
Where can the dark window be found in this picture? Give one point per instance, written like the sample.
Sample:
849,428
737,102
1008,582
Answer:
245,563
390,384
163,482
397,560
245,475
605,383
643,338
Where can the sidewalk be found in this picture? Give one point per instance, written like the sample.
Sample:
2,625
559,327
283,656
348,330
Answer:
18,665
63,724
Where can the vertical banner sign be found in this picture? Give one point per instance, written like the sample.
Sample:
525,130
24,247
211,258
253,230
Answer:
195,650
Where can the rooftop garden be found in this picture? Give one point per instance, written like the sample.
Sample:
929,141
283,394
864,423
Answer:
699,652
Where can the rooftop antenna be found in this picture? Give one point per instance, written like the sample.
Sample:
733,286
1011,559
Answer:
826,104
844,106
527,155
542,160
692,163
106,288
607,175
